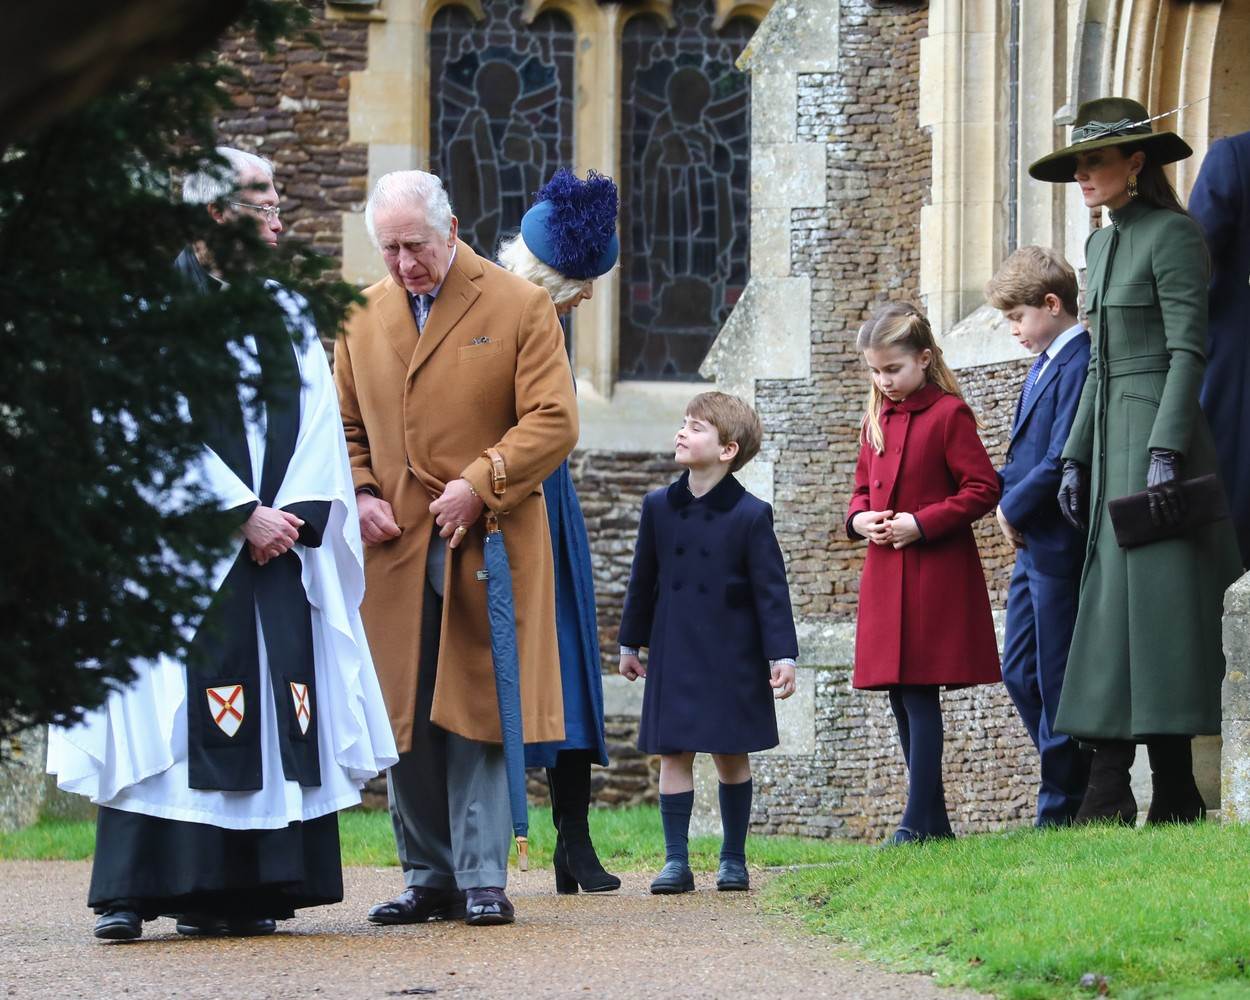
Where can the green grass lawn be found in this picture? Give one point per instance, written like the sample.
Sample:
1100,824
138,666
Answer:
1024,915
626,839
1157,913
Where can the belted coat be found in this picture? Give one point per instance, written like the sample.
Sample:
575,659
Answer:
1146,655
924,612
489,370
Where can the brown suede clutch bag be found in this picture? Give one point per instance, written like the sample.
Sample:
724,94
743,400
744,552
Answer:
1204,502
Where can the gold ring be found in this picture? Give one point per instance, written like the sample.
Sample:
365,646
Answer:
461,529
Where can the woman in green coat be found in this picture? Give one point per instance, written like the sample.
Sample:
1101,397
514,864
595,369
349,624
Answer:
1146,660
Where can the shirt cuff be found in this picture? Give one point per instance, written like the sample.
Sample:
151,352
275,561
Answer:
629,650
785,661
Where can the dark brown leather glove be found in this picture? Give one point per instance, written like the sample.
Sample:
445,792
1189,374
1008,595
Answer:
1074,493
1167,502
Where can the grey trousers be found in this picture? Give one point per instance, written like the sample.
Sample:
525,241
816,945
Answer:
448,795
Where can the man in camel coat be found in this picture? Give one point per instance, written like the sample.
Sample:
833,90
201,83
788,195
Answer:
451,357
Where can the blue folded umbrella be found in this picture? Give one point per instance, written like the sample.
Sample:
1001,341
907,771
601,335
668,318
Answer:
502,615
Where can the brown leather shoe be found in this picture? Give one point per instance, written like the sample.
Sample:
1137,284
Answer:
487,906
419,905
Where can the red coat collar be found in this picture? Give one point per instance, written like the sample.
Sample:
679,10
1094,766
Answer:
919,400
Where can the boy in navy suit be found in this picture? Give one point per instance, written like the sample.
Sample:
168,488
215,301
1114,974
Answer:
1036,291
708,597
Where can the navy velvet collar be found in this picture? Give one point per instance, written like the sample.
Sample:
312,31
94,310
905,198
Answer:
722,496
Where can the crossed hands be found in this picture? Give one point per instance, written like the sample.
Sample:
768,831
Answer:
270,533
884,527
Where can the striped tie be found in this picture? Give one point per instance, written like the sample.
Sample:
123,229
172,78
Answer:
1030,381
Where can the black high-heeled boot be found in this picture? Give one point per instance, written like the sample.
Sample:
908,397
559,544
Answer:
576,863
1109,795
1175,798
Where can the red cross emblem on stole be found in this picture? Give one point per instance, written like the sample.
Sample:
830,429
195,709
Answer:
226,705
303,711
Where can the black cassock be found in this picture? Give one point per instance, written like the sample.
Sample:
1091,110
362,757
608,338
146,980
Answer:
161,866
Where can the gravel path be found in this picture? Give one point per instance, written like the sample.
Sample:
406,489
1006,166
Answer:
629,944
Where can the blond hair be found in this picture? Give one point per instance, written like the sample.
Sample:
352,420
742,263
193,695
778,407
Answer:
1028,276
734,420
516,257
902,326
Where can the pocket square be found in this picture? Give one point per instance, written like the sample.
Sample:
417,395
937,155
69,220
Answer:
480,340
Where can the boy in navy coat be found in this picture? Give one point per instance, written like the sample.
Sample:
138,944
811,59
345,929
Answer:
1036,291
708,597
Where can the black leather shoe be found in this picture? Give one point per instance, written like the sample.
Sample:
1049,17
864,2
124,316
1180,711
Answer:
419,905
118,925
732,876
903,835
486,906
675,877
251,926
200,925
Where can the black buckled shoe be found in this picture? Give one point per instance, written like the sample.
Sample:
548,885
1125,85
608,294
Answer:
674,878
418,905
487,906
732,876
118,925
903,835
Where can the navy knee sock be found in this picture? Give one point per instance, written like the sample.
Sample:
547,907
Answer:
926,802
675,812
735,817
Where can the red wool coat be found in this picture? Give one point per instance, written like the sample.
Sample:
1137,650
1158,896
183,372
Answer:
924,614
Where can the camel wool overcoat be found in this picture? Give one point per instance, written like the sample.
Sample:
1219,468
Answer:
419,410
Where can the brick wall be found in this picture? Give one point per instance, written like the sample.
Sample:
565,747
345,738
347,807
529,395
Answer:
292,108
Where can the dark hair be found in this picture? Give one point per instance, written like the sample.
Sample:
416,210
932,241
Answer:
1153,186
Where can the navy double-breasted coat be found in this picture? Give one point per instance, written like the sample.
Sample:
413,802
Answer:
708,597
1220,202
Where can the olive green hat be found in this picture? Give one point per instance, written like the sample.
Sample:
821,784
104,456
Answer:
1111,121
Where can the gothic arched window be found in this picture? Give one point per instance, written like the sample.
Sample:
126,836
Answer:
501,113
685,177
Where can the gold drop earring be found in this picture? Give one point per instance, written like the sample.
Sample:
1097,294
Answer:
1132,185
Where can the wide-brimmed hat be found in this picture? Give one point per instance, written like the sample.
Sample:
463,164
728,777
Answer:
572,225
1111,121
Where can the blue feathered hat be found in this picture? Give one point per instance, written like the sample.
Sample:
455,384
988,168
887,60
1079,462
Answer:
572,225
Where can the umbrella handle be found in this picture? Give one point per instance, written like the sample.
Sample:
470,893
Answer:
523,854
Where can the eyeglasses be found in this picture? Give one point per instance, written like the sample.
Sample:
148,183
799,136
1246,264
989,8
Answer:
271,212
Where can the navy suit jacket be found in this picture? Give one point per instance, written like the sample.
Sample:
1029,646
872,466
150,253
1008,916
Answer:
1034,465
1220,202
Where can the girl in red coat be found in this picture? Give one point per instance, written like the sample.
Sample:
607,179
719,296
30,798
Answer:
922,479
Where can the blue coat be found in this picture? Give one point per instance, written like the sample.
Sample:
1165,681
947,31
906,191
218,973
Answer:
1220,202
1030,477
708,597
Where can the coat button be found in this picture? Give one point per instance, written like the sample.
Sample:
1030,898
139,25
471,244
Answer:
708,516
677,585
681,550
876,483
704,553
685,514
702,588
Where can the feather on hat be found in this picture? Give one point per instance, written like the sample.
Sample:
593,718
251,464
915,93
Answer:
572,225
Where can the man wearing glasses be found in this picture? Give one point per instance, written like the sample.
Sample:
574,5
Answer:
219,774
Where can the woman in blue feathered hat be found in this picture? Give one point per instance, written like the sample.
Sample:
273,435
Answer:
567,240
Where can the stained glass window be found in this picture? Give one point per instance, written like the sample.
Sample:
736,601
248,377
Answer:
502,113
685,176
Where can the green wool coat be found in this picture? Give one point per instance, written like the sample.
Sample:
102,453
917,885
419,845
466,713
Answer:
1146,655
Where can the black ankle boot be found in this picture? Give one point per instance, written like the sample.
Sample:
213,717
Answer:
575,860
1109,795
1175,798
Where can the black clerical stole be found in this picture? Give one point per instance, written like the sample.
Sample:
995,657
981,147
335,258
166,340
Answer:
223,669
